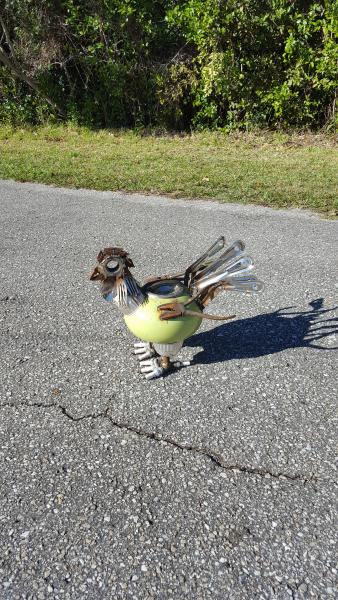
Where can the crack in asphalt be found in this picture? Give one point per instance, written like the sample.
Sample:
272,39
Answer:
212,455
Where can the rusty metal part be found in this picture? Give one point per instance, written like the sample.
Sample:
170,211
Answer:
117,283
245,283
112,263
96,274
208,295
172,310
112,252
165,362
204,297
211,317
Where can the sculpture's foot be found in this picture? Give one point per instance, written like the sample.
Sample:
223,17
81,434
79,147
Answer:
143,350
156,367
152,368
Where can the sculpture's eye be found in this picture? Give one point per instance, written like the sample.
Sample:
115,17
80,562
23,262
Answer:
112,265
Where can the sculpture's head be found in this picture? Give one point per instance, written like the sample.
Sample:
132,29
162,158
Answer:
113,265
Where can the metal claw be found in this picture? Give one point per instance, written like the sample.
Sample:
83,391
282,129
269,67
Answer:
181,363
171,310
151,368
176,309
143,350
144,355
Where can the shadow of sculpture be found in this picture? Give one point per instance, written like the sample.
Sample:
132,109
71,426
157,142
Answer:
267,334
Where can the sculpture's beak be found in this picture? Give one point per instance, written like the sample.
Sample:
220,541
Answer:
96,274
107,282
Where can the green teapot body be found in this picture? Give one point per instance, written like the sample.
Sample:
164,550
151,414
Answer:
145,322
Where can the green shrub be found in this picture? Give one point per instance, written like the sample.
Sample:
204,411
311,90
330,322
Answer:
178,64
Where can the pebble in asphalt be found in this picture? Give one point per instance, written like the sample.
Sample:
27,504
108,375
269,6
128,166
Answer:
215,482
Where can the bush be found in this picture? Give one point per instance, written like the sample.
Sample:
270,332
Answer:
178,64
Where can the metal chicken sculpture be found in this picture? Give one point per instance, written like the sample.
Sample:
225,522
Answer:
167,310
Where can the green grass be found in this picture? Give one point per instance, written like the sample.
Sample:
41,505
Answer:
270,169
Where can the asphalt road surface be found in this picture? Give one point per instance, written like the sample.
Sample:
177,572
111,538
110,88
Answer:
216,482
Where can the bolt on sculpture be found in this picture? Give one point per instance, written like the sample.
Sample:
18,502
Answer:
167,310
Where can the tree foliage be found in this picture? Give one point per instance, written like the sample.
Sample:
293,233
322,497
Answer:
175,63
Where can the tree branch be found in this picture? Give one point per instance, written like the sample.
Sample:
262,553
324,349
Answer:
13,66
7,37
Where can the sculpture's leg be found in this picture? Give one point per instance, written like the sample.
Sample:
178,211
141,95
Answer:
157,359
158,366
149,360
167,352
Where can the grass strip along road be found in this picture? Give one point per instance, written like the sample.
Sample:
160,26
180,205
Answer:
271,169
